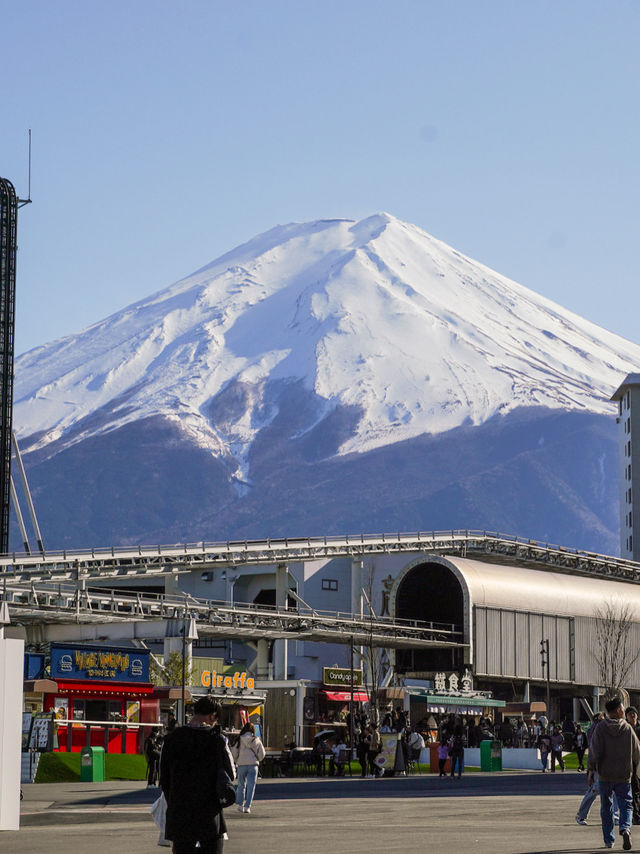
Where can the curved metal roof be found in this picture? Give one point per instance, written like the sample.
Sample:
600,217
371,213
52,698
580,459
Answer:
537,590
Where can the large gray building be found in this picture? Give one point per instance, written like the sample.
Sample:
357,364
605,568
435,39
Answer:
627,396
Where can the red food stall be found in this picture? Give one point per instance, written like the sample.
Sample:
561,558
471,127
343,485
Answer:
102,697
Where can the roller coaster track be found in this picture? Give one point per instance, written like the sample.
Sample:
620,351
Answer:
119,563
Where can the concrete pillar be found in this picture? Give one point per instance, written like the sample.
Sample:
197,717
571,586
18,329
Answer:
262,667
281,647
577,708
282,585
357,603
527,694
357,598
11,671
171,584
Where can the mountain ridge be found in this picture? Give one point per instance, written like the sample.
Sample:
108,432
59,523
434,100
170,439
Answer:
342,310
243,400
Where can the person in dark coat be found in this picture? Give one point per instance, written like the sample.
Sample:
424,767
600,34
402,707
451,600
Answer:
152,746
631,715
191,758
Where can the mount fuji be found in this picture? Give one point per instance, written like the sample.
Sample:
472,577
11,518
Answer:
327,377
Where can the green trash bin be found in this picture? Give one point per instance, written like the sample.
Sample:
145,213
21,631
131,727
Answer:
490,756
92,765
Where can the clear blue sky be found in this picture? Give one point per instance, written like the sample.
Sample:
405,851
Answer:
166,133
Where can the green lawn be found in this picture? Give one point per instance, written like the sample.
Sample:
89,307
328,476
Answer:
65,767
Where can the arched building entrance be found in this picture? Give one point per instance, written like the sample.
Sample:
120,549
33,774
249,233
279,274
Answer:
430,592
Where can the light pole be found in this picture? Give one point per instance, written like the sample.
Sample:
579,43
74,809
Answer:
189,632
544,653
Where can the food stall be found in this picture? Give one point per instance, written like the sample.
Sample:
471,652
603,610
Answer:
100,696
236,691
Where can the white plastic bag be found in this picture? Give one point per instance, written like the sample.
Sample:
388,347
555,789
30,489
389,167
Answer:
158,810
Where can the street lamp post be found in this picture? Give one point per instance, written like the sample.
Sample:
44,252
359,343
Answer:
544,653
189,632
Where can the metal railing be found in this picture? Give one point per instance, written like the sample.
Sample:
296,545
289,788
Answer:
85,564
65,603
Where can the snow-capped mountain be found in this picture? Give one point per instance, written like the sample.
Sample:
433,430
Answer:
375,314
384,333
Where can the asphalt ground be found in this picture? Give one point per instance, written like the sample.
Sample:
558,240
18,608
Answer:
505,813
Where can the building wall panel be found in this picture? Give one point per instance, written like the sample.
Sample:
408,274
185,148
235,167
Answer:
512,643
507,641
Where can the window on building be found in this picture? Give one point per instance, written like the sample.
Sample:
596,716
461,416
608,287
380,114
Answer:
628,425
329,583
629,447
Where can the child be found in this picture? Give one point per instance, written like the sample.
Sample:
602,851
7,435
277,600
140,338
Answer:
443,755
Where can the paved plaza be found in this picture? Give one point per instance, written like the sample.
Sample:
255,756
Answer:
511,812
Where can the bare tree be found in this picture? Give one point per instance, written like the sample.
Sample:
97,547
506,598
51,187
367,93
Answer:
615,652
372,659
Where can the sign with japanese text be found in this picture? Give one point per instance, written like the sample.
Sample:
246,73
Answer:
100,663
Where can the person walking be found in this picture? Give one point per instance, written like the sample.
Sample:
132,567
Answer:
557,746
580,741
374,745
152,747
613,752
250,754
568,731
456,750
443,755
544,746
631,716
592,788
191,757
362,750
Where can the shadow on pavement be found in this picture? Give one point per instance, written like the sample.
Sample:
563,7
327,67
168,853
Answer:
418,786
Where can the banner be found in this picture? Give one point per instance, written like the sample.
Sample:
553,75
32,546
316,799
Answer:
386,759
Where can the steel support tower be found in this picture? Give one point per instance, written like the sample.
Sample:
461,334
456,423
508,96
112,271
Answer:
8,251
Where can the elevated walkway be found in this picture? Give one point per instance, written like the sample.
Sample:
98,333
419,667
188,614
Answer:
149,561
64,612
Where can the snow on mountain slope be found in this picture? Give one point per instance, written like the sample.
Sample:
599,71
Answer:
375,314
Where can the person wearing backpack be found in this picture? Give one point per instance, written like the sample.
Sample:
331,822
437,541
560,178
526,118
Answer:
457,744
250,752
191,758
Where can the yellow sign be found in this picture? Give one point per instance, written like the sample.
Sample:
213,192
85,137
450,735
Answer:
213,679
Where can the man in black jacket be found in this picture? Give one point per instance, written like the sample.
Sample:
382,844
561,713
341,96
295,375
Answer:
152,747
191,757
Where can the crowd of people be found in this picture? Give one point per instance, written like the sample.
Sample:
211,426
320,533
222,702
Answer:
183,759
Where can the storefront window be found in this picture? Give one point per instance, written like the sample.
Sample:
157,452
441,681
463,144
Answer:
103,710
78,710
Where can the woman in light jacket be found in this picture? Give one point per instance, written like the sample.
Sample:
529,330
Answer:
250,753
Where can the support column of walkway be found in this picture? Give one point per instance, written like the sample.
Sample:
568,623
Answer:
281,647
357,603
